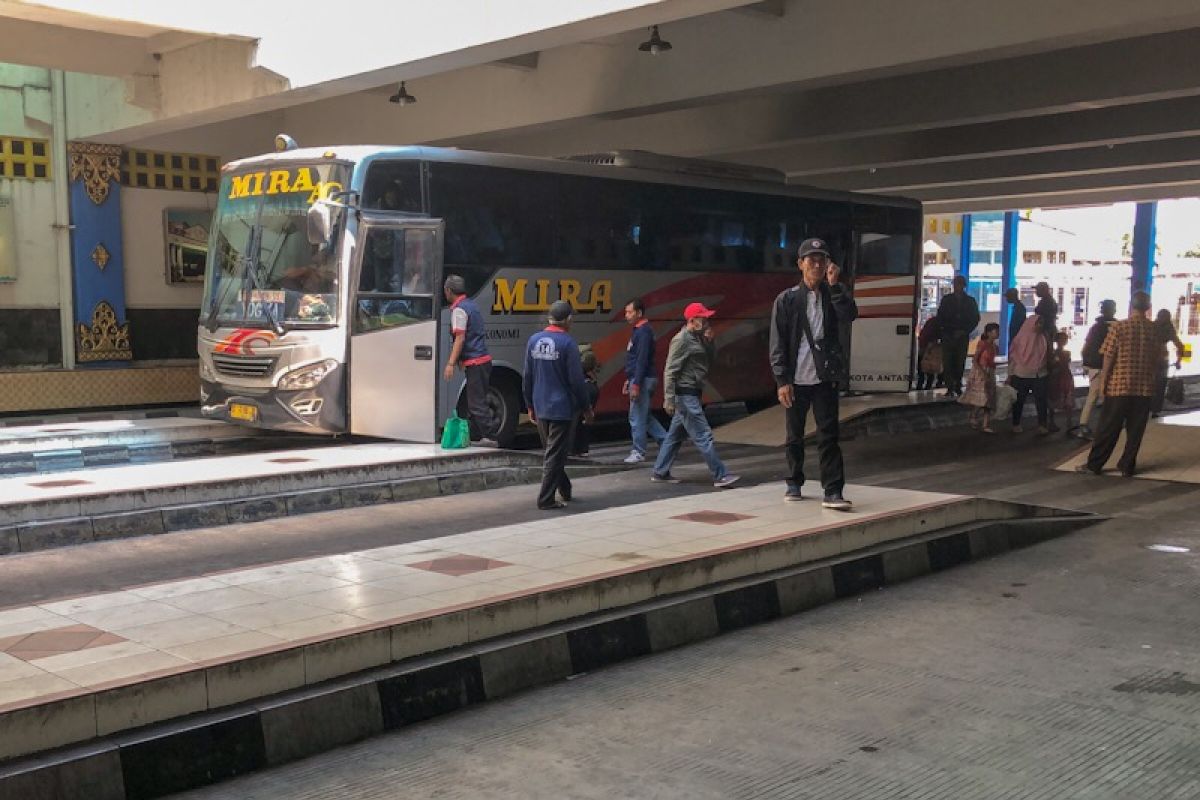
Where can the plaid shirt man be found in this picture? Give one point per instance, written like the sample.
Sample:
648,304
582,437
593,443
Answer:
1136,349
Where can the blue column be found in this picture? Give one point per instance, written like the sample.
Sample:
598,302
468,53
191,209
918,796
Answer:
964,250
1008,274
97,254
1144,234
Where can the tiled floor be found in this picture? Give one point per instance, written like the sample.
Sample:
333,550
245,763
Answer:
1170,450
69,645
766,428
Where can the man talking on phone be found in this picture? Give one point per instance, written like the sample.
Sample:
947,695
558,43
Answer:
806,360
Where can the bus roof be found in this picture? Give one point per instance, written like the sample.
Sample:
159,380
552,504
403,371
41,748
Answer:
364,154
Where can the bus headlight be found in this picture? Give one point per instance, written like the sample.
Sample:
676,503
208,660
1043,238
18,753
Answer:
307,377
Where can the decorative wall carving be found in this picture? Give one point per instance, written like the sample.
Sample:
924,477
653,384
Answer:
96,165
100,256
104,339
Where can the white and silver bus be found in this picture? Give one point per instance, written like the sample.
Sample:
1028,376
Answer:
323,309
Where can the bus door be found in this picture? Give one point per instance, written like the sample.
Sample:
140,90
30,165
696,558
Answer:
885,290
397,280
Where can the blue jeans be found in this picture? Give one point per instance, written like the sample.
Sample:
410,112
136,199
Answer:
689,420
641,421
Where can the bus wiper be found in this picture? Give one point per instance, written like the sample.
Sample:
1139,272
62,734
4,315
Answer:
251,271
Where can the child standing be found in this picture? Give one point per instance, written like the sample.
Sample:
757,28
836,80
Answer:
980,393
1062,382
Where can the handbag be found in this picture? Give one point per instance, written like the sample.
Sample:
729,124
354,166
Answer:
931,361
1175,391
1005,397
457,433
828,360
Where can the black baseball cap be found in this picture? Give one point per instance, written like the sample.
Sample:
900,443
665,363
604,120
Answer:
810,246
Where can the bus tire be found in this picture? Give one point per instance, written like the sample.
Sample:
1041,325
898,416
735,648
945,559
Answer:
504,397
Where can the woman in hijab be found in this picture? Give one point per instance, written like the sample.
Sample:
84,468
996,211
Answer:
1027,371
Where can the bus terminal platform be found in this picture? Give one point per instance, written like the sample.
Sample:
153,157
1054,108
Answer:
165,686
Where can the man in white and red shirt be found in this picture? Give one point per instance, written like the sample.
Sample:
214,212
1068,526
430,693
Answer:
470,351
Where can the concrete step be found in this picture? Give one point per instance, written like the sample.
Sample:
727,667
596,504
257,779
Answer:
70,508
177,729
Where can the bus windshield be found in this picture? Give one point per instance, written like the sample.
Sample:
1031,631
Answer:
262,271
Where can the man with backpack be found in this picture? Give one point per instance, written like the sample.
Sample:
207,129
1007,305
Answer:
1093,361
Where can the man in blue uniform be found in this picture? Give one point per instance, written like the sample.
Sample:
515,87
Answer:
555,394
640,382
470,351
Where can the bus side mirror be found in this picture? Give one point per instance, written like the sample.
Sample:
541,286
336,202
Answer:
320,223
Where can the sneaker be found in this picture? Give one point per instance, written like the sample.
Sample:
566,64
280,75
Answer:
668,478
792,493
635,457
836,502
725,481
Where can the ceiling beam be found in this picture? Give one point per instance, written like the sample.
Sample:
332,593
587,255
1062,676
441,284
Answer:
1107,159
1138,122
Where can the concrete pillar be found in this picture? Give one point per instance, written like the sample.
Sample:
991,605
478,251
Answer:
1008,274
964,249
1144,234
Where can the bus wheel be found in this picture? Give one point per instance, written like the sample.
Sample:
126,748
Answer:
504,396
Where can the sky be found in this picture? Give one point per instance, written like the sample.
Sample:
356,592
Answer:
310,43
1178,224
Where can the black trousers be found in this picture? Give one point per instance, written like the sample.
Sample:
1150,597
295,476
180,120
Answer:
484,422
557,436
954,359
1025,387
1161,373
823,399
1117,413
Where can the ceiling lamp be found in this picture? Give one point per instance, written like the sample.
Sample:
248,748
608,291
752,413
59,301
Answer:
655,44
402,97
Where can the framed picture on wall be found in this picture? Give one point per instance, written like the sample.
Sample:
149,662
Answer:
186,234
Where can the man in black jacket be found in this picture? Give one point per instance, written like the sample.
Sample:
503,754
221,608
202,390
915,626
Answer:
806,360
1093,362
957,315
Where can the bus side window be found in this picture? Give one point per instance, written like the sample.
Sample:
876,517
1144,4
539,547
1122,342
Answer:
396,282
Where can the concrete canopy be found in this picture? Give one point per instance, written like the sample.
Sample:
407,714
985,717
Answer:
966,106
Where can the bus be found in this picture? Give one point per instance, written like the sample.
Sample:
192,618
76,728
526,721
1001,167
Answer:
323,311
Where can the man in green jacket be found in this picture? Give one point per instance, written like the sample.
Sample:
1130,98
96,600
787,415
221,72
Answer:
687,366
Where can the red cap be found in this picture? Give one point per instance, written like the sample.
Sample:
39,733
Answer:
697,310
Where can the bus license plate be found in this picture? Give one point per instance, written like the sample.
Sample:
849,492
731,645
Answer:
243,412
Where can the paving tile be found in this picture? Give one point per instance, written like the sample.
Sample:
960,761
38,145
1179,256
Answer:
269,614
349,598
221,599
94,655
313,626
195,628
30,686
130,616
223,646
177,588
294,585
96,602
121,668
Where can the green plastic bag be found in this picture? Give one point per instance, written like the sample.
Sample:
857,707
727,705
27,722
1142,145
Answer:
457,433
